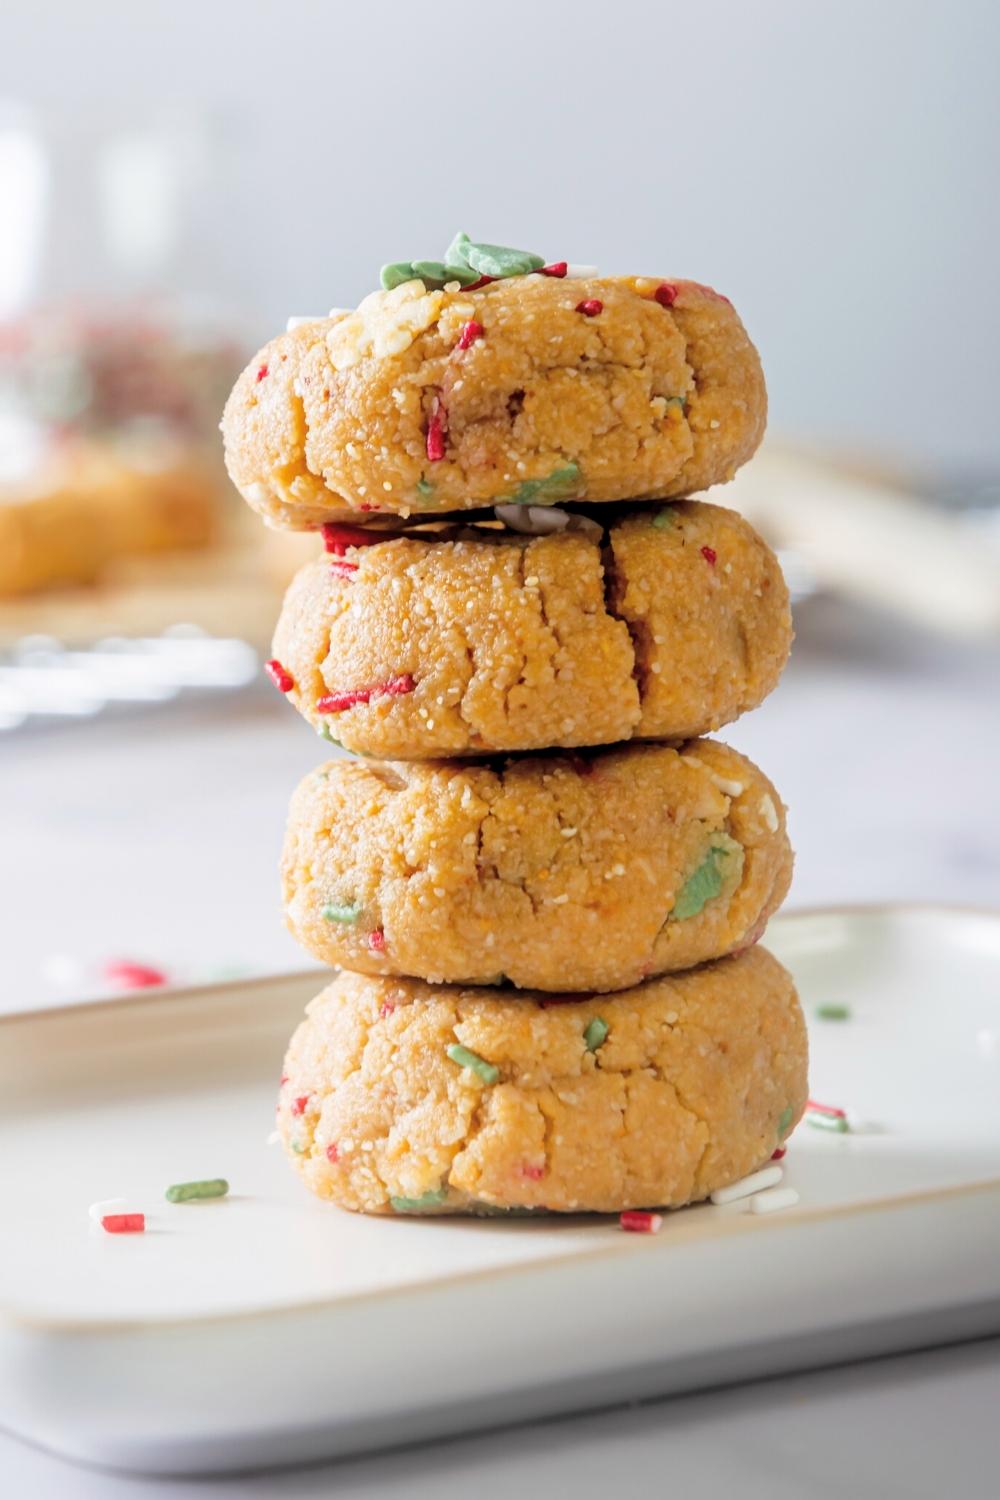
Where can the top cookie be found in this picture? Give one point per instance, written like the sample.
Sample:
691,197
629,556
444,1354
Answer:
535,389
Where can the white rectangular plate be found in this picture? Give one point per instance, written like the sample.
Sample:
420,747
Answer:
271,1327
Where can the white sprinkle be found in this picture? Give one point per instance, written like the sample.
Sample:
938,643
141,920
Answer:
533,520
768,812
578,271
731,788
387,484
747,1186
770,1202
568,833
336,312
294,323
273,1138
714,423
532,581
97,1211
560,900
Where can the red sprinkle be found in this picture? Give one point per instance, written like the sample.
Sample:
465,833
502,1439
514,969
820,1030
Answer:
475,285
557,268
528,1169
778,1153
665,294
826,1109
343,569
262,372
710,555
124,1223
590,307
386,1008
639,1221
282,679
435,436
282,1080
299,1104
332,1154
126,975
336,703
376,940
470,333
337,539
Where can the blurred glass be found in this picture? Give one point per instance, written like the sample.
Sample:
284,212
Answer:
113,368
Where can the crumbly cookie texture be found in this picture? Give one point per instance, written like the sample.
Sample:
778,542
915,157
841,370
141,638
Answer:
601,388
402,1097
668,624
550,872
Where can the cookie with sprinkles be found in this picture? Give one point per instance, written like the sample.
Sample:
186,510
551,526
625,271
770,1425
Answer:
662,622
653,1097
525,384
548,872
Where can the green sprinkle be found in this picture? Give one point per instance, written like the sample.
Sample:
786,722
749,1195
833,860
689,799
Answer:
707,880
348,913
425,488
667,517
186,1192
466,1059
501,260
430,270
417,1205
434,273
596,1031
561,484
833,1012
784,1121
455,253
834,1123
298,1148
395,274
324,733
680,401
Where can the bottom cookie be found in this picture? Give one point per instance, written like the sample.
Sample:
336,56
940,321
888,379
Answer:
405,1097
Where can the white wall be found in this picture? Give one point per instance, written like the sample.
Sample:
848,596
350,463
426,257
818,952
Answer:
832,166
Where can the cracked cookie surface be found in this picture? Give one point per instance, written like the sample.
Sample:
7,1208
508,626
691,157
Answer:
652,1097
389,410
667,624
553,872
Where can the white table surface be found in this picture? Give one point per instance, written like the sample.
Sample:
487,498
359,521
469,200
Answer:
156,838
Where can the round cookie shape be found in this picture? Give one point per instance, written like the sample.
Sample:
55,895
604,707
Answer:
408,1098
548,872
528,390
665,625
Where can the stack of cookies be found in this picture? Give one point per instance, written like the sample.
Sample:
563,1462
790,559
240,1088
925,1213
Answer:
541,884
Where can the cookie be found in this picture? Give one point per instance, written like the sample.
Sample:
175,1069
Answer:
402,1097
531,390
549,872
664,624
83,509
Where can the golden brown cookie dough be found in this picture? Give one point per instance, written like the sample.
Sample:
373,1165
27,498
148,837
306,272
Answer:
669,623
403,1097
390,409
552,872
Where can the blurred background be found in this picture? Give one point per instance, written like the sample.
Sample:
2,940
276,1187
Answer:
175,182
